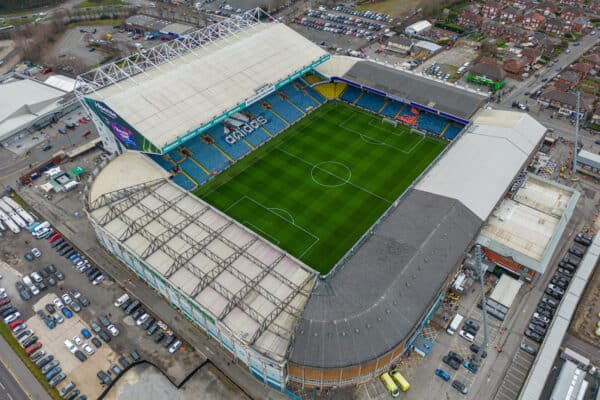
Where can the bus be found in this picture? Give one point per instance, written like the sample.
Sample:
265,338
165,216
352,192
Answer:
389,384
400,380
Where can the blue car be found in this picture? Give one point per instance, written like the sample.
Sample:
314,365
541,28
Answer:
442,374
53,372
66,312
472,368
86,334
49,322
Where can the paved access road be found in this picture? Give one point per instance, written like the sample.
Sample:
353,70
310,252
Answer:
16,382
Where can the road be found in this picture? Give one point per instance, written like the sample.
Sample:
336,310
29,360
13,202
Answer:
563,61
16,382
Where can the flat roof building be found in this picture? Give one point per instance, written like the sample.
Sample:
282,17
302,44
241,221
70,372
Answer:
527,225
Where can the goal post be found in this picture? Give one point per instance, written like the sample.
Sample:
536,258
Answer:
389,121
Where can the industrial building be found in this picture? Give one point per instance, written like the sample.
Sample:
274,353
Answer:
418,28
523,231
145,25
27,104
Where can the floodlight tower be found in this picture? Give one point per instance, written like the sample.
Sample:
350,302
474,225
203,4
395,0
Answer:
578,93
480,269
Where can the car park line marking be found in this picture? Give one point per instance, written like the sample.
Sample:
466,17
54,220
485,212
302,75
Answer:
9,396
2,386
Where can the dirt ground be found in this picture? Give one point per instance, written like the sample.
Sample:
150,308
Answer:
455,57
586,316
392,7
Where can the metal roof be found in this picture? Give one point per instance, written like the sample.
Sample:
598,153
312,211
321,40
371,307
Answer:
373,303
253,288
175,88
439,95
534,385
498,143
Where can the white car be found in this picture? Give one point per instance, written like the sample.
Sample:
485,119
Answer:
12,317
175,346
98,280
36,252
541,318
36,277
122,299
113,330
34,290
88,349
77,340
72,348
142,319
26,335
27,281
58,303
466,335
67,299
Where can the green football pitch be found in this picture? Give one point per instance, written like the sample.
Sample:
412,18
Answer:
317,187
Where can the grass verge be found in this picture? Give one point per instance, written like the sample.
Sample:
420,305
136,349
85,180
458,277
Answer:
12,342
99,3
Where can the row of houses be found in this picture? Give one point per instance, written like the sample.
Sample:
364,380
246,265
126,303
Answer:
514,23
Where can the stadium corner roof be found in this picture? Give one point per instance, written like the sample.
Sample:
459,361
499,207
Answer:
180,88
252,287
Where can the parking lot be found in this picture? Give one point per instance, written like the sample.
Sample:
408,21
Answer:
516,375
68,324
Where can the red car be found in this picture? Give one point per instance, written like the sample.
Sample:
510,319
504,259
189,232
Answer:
82,120
86,133
34,347
54,238
14,324
4,301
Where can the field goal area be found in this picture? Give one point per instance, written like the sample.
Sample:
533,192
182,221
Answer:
316,188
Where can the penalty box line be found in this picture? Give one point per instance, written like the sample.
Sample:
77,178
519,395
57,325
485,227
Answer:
315,238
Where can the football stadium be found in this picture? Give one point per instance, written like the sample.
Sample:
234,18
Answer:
305,210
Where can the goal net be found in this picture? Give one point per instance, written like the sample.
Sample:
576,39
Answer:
388,121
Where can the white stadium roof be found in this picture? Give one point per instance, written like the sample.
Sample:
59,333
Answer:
498,142
256,290
179,86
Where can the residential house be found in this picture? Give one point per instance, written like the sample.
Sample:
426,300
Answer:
522,4
594,5
557,26
582,68
547,8
566,102
594,59
515,67
487,70
470,20
515,34
533,20
569,13
491,10
579,23
532,54
511,14
569,78
573,2
492,28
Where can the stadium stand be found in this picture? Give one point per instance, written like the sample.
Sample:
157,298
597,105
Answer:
274,124
162,161
330,90
311,79
300,97
184,182
207,156
194,171
175,156
257,137
431,123
391,109
370,101
408,115
350,94
452,131
235,150
283,107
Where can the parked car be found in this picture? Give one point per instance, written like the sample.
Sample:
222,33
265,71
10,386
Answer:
80,356
471,367
95,327
88,349
533,336
475,348
124,363
66,389
442,374
86,333
448,360
76,308
104,378
461,387
103,319
36,252
83,301
113,330
96,342
583,239
49,365
42,362
573,250
67,299
66,312
115,369
75,393
57,379
527,348
122,299
104,336
33,348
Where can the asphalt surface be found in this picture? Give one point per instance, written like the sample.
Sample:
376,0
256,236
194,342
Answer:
16,382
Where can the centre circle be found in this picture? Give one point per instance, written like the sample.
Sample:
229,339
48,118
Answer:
330,174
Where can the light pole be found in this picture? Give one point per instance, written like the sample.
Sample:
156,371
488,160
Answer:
480,269
578,93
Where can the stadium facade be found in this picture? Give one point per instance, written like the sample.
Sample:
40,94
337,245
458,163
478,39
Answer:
261,304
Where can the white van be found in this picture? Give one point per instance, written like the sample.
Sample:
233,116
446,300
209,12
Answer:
454,324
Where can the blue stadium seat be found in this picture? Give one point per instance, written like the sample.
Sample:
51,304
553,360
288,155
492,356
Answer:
284,108
194,171
257,137
453,131
163,162
371,101
207,155
184,182
274,124
299,97
431,123
350,94
318,96
236,150
391,109
175,155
